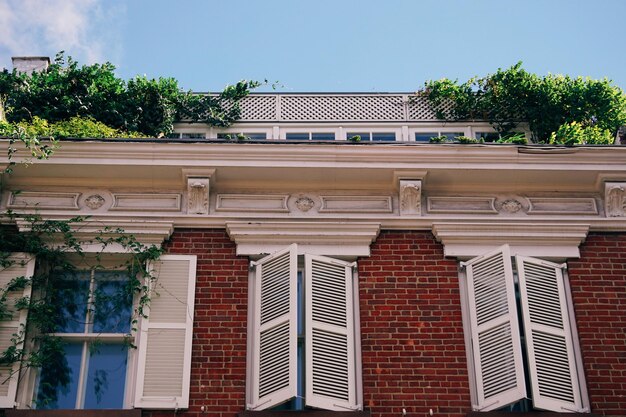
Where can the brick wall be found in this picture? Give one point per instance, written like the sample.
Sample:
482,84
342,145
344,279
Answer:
411,328
218,370
598,282
413,349
412,338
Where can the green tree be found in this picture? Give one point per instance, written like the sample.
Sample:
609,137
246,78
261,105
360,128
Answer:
149,106
546,103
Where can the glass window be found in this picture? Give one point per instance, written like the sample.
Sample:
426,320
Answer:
297,136
322,136
89,371
487,136
425,136
383,137
193,135
451,136
256,136
373,136
362,136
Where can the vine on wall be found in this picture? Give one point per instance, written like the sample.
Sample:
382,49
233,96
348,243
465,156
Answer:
59,254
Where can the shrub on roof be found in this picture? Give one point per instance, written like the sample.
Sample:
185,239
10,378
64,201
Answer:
548,104
149,106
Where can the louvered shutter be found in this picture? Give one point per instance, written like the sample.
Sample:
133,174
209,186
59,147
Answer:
275,329
330,373
496,347
11,327
165,337
551,356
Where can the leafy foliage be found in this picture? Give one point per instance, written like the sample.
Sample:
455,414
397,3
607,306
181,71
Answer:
575,133
75,127
149,106
546,103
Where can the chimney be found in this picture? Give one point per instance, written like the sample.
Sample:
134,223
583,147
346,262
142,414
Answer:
30,64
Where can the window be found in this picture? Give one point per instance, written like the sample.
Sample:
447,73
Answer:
426,136
521,343
93,315
243,135
302,347
192,135
310,136
92,318
373,136
495,136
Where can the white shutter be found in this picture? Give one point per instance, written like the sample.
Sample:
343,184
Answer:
165,337
14,326
551,357
274,374
330,363
496,347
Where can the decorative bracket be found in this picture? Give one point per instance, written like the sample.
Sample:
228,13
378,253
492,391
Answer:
197,183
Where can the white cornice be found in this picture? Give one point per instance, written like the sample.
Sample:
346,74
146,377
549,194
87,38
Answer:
401,155
546,240
319,237
146,232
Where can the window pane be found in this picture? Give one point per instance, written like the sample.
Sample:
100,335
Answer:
256,136
58,378
70,301
297,136
106,379
425,136
365,136
193,135
487,136
113,302
323,136
383,136
451,136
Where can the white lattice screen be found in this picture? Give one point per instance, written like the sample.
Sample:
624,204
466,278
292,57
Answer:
335,108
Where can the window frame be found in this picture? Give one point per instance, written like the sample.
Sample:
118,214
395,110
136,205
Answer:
521,322
87,337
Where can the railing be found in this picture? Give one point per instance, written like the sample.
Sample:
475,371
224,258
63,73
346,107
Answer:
336,107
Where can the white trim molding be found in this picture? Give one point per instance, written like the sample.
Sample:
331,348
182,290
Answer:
146,232
548,240
313,237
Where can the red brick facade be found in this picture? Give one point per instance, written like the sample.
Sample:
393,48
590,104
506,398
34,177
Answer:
413,349
598,282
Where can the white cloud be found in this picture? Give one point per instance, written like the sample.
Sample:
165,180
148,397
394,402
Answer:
85,29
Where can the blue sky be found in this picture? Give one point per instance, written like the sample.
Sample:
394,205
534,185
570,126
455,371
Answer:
323,45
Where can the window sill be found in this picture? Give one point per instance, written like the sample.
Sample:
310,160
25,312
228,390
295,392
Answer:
308,413
527,414
72,413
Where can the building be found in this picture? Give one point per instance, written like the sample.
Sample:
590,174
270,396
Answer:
387,276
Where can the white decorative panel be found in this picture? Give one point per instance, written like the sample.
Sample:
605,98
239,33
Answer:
615,199
481,205
410,197
146,202
197,195
562,206
357,204
252,202
43,200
